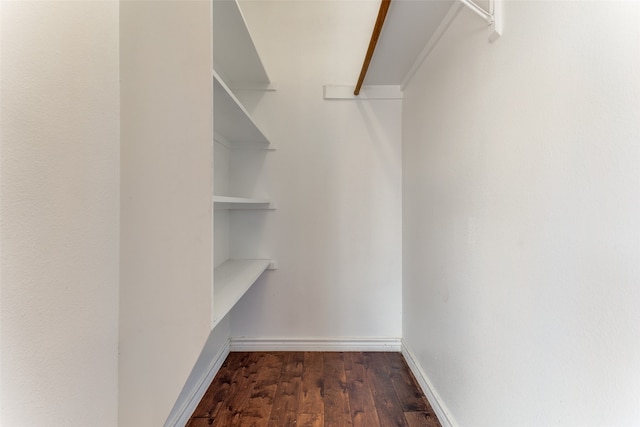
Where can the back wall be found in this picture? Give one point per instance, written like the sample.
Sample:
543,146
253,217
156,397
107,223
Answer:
336,179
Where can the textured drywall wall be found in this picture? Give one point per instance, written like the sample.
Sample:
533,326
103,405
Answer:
166,186
521,217
335,178
59,213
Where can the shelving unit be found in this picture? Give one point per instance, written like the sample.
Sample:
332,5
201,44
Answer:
237,65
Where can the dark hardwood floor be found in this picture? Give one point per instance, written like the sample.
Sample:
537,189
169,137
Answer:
280,389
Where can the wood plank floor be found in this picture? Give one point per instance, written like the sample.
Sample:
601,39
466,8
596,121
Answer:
315,389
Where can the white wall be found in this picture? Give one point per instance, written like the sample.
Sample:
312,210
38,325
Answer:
166,185
336,179
59,213
521,217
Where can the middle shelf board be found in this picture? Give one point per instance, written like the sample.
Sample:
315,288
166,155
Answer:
226,202
231,280
231,119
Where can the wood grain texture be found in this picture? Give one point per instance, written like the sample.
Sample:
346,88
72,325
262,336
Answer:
240,391
384,395
421,419
405,385
310,420
337,411
285,402
257,410
312,396
315,389
220,386
363,408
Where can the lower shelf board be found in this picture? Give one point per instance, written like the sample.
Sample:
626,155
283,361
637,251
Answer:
231,280
226,202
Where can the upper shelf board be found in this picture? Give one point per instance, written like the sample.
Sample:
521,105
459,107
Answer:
235,56
231,119
408,27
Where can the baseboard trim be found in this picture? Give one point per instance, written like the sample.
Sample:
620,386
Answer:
184,413
427,388
316,344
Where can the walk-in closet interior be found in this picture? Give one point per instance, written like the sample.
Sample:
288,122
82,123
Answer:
182,179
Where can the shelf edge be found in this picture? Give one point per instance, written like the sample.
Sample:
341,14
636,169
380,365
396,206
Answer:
238,292
228,92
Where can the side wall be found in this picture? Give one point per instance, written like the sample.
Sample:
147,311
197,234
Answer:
335,177
59,200
166,185
522,217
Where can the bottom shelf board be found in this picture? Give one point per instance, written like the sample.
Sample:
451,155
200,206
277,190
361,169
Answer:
231,280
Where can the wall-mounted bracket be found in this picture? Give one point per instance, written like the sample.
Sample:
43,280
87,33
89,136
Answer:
367,92
493,16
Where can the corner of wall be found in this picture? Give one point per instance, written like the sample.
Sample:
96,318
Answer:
427,387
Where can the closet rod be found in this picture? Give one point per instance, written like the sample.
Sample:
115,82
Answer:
478,11
382,14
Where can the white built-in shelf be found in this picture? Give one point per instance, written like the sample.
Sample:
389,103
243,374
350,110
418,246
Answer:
232,279
409,25
226,202
416,27
231,119
234,53
236,65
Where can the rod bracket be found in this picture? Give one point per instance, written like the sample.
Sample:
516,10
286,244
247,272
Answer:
493,16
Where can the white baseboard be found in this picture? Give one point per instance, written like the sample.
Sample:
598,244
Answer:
181,417
315,344
427,387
